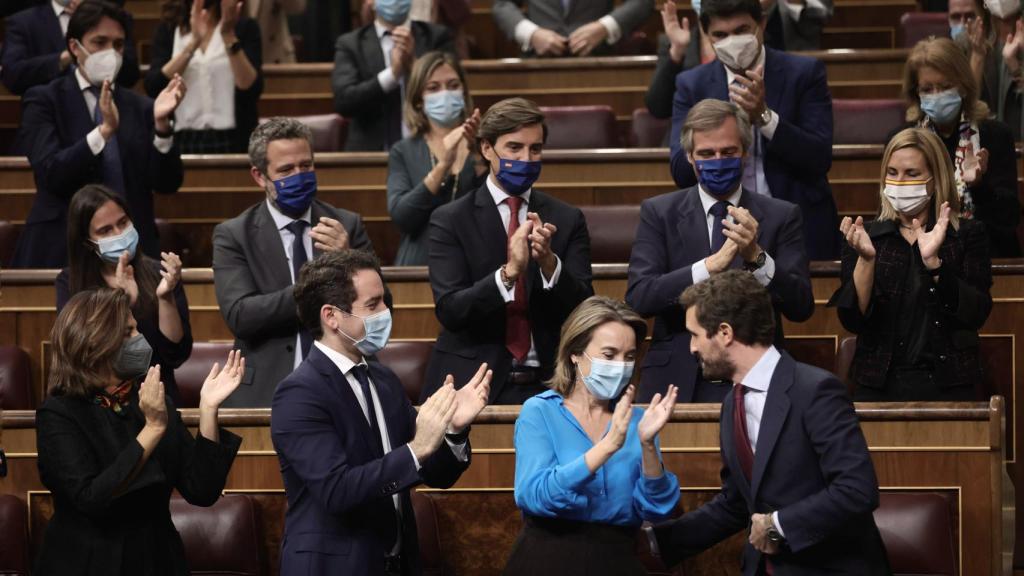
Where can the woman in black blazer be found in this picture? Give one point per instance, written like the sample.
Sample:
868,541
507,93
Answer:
102,252
915,282
111,452
438,162
942,96
219,55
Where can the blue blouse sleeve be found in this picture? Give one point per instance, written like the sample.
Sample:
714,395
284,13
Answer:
654,499
543,486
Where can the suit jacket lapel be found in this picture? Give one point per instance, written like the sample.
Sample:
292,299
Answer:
349,402
55,38
393,417
371,49
268,243
729,448
718,80
775,75
693,223
776,408
494,239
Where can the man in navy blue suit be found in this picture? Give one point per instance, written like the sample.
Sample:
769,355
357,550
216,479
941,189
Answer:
687,236
786,97
35,52
796,470
79,130
349,442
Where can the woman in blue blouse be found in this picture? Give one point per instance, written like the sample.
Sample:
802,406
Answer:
588,464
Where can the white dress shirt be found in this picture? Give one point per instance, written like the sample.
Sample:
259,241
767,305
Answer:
753,166
505,212
699,270
209,103
287,240
386,77
795,10
757,382
63,16
94,139
526,27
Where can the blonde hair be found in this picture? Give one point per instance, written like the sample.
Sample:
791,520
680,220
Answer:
946,58
579,328
935,156
709,114
415,117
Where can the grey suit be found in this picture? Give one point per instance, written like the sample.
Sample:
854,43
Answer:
410,203
549,14
254,292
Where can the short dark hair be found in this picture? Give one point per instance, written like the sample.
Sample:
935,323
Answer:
508,116
734,297
88,15
726,8
327,279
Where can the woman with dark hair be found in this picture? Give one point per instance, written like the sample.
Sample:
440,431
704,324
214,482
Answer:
111,452
103,251
438,162
218,54
588,463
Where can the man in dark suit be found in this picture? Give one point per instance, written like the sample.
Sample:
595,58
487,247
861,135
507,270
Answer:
349,442
371,66
794,25
688,236
569,27
507,264
35,50
786,97
795,466
79,129
256,258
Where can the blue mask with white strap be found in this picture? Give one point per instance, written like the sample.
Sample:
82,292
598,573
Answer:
393,11
295,193
607,378
444,107
720,176
376,331
517,176
111,247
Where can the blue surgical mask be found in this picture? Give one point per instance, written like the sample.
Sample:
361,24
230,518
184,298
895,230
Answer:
376,331
111,247
393,11
444,107
295,193
607,378
517,176
956,30
943,108
720,176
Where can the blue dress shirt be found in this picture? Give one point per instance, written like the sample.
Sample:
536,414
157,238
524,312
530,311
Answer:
552,479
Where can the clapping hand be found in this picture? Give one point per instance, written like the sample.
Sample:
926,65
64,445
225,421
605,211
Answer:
151,399
433,420
220,383
329,235
742,229
170,275
1012,46
616,435
657,414
167,102
974,166
678,35
929,242
540,244
124,278
857,237
471,398
108,109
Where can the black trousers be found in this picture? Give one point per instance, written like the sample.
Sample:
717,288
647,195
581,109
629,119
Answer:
548,546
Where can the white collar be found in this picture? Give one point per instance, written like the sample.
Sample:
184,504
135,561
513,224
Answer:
730,75
500,195
57,8
380,29
760,376
707,200
344,363
282,220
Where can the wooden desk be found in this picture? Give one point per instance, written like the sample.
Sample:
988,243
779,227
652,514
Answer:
950,448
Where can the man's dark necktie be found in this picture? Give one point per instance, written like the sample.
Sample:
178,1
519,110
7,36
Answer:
113,177
299,257
360,373
719,210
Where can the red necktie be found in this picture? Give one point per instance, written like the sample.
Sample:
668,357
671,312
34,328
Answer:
517,322
739,431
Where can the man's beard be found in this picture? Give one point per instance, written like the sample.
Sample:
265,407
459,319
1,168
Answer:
719,367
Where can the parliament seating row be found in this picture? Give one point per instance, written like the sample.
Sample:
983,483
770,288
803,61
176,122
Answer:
917,528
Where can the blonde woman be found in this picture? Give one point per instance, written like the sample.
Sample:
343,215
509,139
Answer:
915,281
941,95
588,463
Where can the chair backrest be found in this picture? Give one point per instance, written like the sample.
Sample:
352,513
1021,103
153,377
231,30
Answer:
581,127
408,359
844,360
329,131
858,121
221,540
648,131
15,379
14,547
916,26
917,528
612,230
8,241
191,375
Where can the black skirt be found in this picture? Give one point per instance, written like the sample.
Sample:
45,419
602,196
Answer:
569,548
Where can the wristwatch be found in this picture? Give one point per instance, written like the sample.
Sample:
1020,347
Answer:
773,535
758,262
765,117
235,47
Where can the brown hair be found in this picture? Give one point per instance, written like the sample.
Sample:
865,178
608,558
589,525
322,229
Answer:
579,328
710,114
421,71
733,297
943,55
935,155
327,279
508,116
85,341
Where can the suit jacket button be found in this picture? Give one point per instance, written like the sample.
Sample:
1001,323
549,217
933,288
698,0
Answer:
942,357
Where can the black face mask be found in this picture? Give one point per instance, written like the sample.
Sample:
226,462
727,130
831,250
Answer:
133,360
